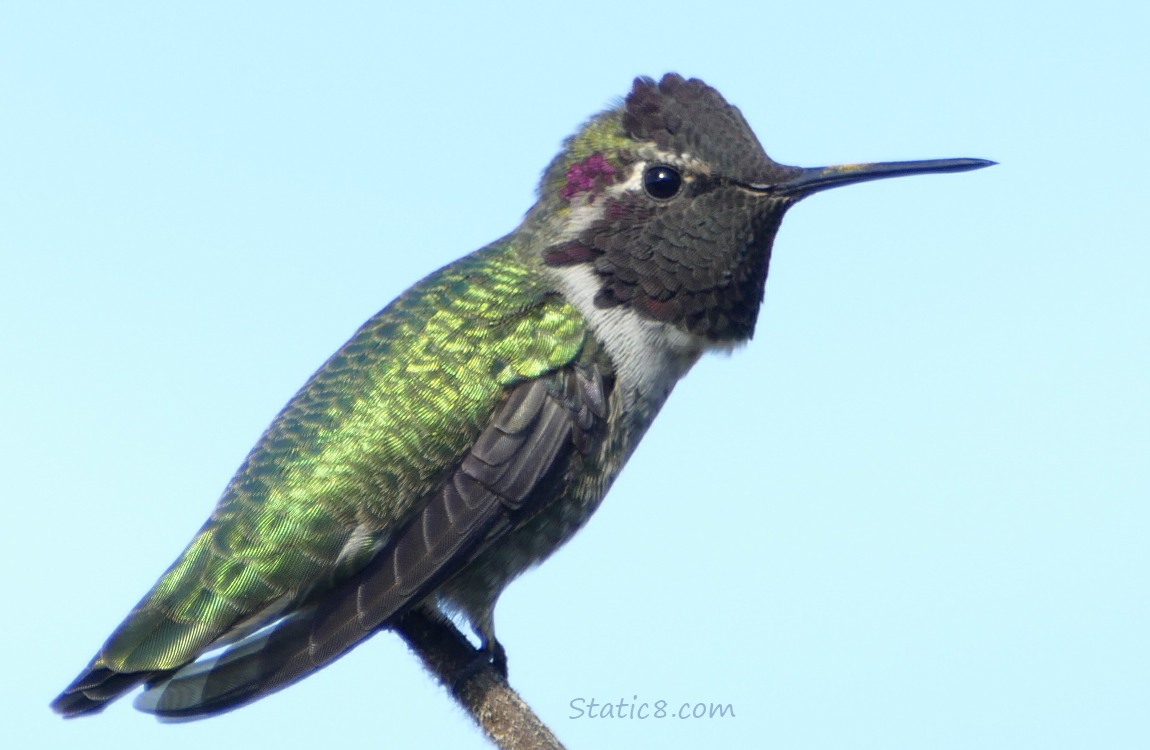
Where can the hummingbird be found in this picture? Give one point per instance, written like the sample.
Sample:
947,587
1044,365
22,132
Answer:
471,427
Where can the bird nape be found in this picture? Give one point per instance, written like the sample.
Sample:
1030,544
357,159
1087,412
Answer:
473,425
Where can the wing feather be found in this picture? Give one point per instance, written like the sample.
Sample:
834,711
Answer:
530,435
351,461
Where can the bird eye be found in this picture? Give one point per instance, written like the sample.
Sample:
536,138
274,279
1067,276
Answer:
662,182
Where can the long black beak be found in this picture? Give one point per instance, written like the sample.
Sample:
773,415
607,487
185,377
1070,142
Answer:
813,179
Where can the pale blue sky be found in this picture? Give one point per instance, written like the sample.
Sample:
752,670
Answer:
912,513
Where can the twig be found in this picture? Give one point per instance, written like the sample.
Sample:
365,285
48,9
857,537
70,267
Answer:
484,693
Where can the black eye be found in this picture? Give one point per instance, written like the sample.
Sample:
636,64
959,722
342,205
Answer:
662,182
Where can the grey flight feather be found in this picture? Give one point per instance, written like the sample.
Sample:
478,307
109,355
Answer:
530,435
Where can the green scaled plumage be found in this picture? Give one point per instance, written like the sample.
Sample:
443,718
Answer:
375,430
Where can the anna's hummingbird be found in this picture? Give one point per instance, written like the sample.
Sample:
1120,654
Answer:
471,427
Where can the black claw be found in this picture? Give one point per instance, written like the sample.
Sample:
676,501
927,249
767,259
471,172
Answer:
492,656
498,657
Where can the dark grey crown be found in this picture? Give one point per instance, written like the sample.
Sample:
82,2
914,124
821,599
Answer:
698,260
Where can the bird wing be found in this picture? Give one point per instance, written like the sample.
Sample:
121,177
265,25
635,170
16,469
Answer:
384,440
532,435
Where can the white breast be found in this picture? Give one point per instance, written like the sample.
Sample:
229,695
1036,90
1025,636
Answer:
649,356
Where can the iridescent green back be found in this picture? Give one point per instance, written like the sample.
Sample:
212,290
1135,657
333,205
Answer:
346,462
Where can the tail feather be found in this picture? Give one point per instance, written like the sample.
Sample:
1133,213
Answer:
233,678
95,689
